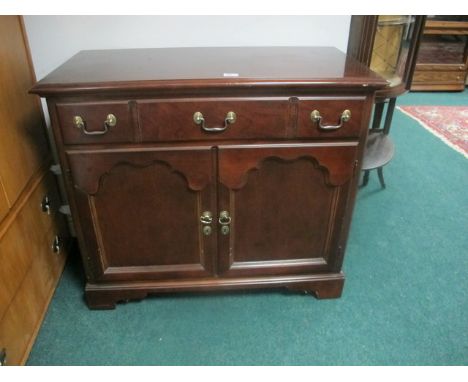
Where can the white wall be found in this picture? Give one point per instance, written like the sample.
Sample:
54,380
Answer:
54,39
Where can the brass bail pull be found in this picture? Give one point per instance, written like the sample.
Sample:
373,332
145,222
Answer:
317,118
198,118
80,123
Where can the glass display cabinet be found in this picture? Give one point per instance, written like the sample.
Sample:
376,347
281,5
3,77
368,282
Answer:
442,60
388,44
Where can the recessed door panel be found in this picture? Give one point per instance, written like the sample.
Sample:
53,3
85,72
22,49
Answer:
142,211
284,204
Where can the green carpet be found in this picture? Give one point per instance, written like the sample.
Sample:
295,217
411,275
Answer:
405,300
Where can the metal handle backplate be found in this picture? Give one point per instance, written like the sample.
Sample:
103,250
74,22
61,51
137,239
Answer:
317,118
80,123
198,118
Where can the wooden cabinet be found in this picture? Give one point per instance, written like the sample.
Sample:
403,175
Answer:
33,234
389,45
442,61
183,179
23,142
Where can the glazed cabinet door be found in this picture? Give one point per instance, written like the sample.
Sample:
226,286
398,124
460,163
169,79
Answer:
139,212
281,207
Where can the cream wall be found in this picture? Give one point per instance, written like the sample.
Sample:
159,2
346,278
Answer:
54,39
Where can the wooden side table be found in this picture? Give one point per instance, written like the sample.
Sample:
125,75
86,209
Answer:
389,46
379,147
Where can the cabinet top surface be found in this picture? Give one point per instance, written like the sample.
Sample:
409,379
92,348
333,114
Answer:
95,71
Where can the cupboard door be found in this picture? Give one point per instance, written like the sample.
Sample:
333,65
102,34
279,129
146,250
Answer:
139,212
286,205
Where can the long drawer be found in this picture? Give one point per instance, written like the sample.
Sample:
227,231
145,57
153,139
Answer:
437,76
182,120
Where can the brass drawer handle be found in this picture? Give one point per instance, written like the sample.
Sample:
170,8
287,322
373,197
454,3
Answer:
80,123
200,120
317,118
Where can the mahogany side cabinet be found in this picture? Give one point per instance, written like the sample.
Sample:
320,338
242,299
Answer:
198,169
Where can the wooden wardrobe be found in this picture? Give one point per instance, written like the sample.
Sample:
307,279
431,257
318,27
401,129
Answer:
33,234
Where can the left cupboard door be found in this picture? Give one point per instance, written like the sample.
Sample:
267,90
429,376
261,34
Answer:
145,214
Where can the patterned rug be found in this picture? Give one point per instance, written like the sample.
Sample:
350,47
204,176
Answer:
449,123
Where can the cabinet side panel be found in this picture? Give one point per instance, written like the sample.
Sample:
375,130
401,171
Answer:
23,143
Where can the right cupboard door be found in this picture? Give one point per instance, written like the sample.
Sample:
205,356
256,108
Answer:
282,207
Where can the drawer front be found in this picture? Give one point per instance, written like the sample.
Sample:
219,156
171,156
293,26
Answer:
439,76
83,123
22,240
330,124
174,120
21,321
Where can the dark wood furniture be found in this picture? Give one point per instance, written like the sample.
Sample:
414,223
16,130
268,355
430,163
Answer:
197,169
379,147
389,45
442,62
